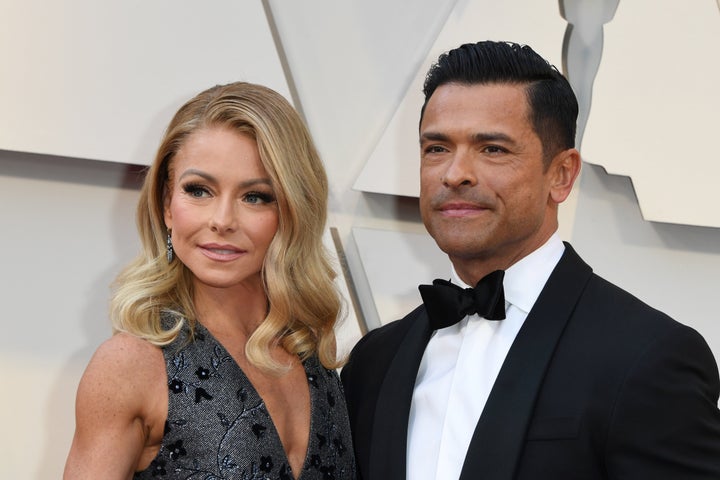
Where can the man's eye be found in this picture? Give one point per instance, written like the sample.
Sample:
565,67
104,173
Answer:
435,149
494,149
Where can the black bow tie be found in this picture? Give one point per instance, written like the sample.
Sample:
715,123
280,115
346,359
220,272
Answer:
447,304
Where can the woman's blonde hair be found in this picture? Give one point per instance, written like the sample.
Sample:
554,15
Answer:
298,278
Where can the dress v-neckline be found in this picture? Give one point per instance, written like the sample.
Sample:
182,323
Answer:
252,392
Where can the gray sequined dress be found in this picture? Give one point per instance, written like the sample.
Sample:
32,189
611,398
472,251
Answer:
219,428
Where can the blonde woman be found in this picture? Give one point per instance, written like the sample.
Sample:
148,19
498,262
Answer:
222,361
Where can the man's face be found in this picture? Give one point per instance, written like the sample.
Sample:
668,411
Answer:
484,194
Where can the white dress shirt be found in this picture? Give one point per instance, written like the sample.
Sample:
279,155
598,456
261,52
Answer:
459,368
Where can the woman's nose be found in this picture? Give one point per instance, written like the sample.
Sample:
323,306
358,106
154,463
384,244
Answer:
224,216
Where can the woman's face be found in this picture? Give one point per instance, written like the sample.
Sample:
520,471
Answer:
221,208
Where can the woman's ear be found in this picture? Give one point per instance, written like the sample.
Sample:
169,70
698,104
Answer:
565,169
167,213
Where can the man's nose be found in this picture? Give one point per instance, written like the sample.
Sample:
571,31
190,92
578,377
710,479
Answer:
460,170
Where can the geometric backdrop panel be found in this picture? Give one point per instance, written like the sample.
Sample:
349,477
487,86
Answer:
655,107
101,80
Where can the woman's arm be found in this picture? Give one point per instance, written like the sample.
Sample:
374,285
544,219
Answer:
120,410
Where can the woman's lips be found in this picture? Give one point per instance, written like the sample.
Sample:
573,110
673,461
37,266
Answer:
221,252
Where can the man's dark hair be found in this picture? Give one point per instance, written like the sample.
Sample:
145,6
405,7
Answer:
552,102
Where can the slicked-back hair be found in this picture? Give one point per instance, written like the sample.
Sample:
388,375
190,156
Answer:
553,107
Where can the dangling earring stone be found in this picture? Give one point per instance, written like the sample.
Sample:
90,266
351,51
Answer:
169,247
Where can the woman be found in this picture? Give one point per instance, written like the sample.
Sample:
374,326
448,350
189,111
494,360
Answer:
221,363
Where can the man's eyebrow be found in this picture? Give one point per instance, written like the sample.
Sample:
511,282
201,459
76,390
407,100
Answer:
480,137
433,137
485,137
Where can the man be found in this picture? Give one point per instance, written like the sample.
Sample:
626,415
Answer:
563,375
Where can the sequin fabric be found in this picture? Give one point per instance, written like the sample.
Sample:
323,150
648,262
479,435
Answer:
219,428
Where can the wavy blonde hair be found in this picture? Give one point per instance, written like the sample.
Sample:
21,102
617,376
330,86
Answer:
297,275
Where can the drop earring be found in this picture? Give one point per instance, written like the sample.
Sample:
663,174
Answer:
169,246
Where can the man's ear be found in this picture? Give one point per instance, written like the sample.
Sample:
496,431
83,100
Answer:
564,170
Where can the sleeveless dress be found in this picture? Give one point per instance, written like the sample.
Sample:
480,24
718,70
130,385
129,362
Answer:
219,428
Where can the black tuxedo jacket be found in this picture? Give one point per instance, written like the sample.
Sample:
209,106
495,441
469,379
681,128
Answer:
597,385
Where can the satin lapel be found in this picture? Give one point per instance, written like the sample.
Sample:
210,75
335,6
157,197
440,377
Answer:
389,438
499,437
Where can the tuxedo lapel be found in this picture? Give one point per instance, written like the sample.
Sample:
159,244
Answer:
499,437
389,438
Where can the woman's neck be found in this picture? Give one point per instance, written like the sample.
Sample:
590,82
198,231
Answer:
231,311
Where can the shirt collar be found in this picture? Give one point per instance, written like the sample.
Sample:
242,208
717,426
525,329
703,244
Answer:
525,279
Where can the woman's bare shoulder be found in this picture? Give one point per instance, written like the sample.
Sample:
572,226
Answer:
126,359
121,408
124,375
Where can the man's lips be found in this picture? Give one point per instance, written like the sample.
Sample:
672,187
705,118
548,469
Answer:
461,209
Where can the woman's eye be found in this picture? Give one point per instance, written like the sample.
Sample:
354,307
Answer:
259,197
196,191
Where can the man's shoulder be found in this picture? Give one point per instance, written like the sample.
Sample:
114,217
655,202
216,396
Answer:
607,313
623,303
390,335
609,308
375,351
604,295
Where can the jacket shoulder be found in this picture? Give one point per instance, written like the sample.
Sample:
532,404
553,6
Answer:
378,346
